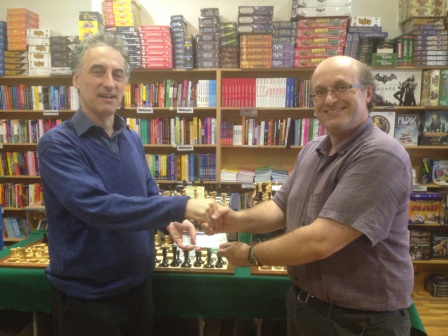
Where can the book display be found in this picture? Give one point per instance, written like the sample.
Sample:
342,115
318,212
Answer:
180,149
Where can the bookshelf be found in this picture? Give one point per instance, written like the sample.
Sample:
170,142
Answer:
227,156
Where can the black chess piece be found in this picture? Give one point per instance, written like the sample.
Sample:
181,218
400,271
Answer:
219,262
186,262
178,259
198,262
164,262
209,263
174,262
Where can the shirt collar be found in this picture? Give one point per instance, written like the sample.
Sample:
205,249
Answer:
325,146
82,123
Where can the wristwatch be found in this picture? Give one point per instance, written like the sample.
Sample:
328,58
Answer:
252,259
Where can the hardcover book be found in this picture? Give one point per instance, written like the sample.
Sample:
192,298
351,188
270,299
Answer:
397,87
384,120
406,129
435,128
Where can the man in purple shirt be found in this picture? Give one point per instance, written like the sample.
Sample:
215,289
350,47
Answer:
345,211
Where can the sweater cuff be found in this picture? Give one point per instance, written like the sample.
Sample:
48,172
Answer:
177,213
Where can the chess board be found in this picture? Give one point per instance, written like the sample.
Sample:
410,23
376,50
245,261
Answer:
268,270
205,267
34,255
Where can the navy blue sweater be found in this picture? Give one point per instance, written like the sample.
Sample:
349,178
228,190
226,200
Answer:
102,209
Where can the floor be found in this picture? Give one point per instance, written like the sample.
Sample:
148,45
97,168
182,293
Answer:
433,313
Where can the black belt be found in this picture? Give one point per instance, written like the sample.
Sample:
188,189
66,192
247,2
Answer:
328,310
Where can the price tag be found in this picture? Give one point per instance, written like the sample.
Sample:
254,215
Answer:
248,112
185,110
247,186
185,148
145,110
51,112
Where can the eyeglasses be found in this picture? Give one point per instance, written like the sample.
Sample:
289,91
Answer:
338,90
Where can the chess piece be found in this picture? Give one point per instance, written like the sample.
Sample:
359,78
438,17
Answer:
164,262
168,240
155,256
186,262
219,262
157,238
174,262
198,262
224,199
209,263
178,260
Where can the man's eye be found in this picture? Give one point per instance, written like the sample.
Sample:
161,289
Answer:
320,92
342,87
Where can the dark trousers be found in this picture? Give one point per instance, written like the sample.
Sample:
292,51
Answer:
128,314
303,320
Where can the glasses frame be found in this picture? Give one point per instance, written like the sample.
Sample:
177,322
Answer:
335,92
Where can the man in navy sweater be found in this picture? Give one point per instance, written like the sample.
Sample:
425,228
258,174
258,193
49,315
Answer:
103,205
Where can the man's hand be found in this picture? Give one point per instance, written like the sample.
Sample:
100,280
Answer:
201,209
176,231
223,220
235,252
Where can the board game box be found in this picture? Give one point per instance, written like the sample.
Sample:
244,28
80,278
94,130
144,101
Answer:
406,129
435,128
397,87
384,120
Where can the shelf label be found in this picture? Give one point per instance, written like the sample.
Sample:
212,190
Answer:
51,112
145,110
185,148
185,110
247,185
419,187
249,112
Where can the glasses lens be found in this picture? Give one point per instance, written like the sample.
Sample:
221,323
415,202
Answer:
342,88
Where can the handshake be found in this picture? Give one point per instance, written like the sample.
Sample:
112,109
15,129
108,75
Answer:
213,218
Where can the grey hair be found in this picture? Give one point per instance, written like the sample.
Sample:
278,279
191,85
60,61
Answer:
365,77
97,40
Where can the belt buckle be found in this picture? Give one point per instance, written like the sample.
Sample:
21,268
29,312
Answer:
305,294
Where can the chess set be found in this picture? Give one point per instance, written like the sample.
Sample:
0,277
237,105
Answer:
34,255
170,258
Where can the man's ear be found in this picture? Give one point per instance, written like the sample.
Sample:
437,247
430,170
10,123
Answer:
75,80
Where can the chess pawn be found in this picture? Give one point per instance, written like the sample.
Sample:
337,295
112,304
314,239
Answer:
168,240
224,199
186,262
157,238
198,262
209,263
166,193
213,195
174,262
164,262
219,262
